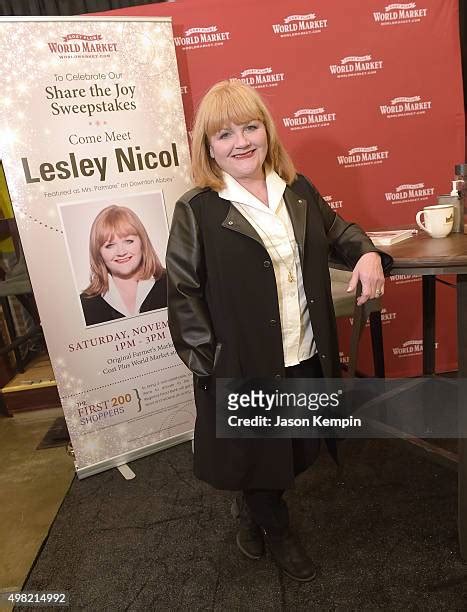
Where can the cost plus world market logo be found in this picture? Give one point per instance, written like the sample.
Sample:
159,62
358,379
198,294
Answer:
386,317
403,279
395,14
405,107
334,204
305,118
356,65
298,25
362,156
262,77
410,348
344,359
82,45
200,38
409,193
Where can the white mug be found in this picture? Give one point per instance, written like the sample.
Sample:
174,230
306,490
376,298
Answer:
438,220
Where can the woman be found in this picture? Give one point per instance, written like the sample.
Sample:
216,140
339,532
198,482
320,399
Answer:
250,296
126,275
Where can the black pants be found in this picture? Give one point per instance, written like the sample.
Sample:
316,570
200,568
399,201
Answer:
266,506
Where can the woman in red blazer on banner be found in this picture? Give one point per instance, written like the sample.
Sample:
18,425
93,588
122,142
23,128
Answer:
249,295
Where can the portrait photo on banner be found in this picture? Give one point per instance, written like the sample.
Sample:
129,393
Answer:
116,249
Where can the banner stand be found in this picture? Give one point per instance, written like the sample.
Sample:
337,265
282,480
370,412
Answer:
122,460
94,147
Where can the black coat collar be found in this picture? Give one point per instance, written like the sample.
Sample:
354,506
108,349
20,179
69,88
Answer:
296,208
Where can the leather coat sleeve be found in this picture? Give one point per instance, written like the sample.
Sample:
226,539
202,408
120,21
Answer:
189,319
348,241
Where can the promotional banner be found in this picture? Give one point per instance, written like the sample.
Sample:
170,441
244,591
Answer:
367,97
94,147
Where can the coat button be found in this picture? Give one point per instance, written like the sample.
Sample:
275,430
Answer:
312,301
229,222
267,263
272,322
277,376
323,356
300,201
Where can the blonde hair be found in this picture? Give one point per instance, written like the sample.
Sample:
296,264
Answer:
118,221
228,102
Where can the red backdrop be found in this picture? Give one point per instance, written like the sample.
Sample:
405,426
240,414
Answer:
367,96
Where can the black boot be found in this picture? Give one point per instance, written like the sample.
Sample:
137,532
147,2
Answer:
290,556
249,536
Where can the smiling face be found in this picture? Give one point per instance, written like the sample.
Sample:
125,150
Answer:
122,255
240,150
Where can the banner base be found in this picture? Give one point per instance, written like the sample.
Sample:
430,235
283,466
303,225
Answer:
96,468
126,471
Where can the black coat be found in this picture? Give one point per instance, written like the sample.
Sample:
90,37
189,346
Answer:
97,310
224,315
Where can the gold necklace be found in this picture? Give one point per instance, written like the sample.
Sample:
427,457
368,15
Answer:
290,271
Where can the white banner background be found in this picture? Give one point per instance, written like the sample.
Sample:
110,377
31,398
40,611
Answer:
102,97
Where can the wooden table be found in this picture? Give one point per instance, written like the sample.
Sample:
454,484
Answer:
428,257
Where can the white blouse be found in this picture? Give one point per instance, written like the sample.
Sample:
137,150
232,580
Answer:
114,298
272,224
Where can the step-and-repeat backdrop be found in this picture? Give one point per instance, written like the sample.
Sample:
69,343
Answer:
367,96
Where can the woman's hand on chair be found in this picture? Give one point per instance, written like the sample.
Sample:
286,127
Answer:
369,272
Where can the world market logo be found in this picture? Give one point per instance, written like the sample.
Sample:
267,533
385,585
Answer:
82,45
334,204
344,359
409,193
403,279
305,118
386,317
395,14
405,107
356,65
362,156
198,38
410,348
298,25
261,77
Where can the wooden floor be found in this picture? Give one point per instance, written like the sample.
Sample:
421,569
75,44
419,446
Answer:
38,374
34,389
